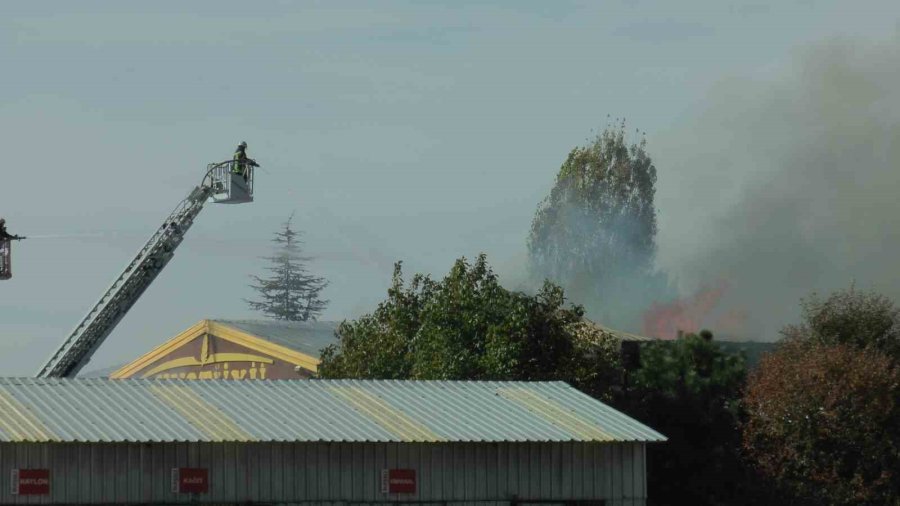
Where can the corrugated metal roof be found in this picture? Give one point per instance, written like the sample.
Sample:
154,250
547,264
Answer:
305,337
101,410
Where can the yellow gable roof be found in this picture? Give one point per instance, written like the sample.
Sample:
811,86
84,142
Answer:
223,331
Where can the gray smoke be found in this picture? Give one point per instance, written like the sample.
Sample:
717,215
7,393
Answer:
787,185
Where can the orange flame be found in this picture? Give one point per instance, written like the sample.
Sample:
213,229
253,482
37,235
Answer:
664,320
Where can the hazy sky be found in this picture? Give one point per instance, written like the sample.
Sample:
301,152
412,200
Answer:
420,132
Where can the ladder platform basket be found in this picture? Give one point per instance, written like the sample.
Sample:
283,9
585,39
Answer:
231,182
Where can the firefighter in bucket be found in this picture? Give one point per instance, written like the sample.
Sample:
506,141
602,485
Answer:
6,250
240,163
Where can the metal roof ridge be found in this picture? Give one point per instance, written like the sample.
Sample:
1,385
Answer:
46,381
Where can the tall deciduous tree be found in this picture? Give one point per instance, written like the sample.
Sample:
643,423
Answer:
595,234
290,292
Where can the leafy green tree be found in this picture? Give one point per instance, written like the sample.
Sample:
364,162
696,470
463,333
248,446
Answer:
824,423
466,327
597,365
378,345
854,317
291,292
689,389
595,234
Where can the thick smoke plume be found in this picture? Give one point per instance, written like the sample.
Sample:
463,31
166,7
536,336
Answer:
785,185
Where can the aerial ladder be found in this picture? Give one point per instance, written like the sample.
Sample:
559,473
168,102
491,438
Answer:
229,182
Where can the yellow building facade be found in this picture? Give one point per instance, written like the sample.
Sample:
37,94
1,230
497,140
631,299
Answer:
236,350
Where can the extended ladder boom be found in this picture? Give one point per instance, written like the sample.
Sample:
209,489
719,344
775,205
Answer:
100,321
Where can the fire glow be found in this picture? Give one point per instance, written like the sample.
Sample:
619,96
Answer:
665,320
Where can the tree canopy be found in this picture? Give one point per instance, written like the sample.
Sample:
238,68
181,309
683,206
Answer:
595,234
689,390
858,318
823,410
468,327
290,292
824,423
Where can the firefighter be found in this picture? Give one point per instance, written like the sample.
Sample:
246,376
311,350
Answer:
240,163
239,159
4,235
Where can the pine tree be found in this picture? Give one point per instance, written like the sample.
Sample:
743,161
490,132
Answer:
291,292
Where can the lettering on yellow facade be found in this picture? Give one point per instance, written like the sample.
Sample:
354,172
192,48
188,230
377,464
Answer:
255,371
210,350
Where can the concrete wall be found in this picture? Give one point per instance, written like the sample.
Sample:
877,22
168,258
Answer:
321,473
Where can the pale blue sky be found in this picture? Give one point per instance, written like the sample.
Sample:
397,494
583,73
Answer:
396,130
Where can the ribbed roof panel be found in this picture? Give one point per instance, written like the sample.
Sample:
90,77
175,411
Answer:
101,410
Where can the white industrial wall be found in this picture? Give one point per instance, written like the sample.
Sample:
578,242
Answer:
321,473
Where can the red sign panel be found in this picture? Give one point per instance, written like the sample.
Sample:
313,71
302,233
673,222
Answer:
30,482
190,480
398,481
